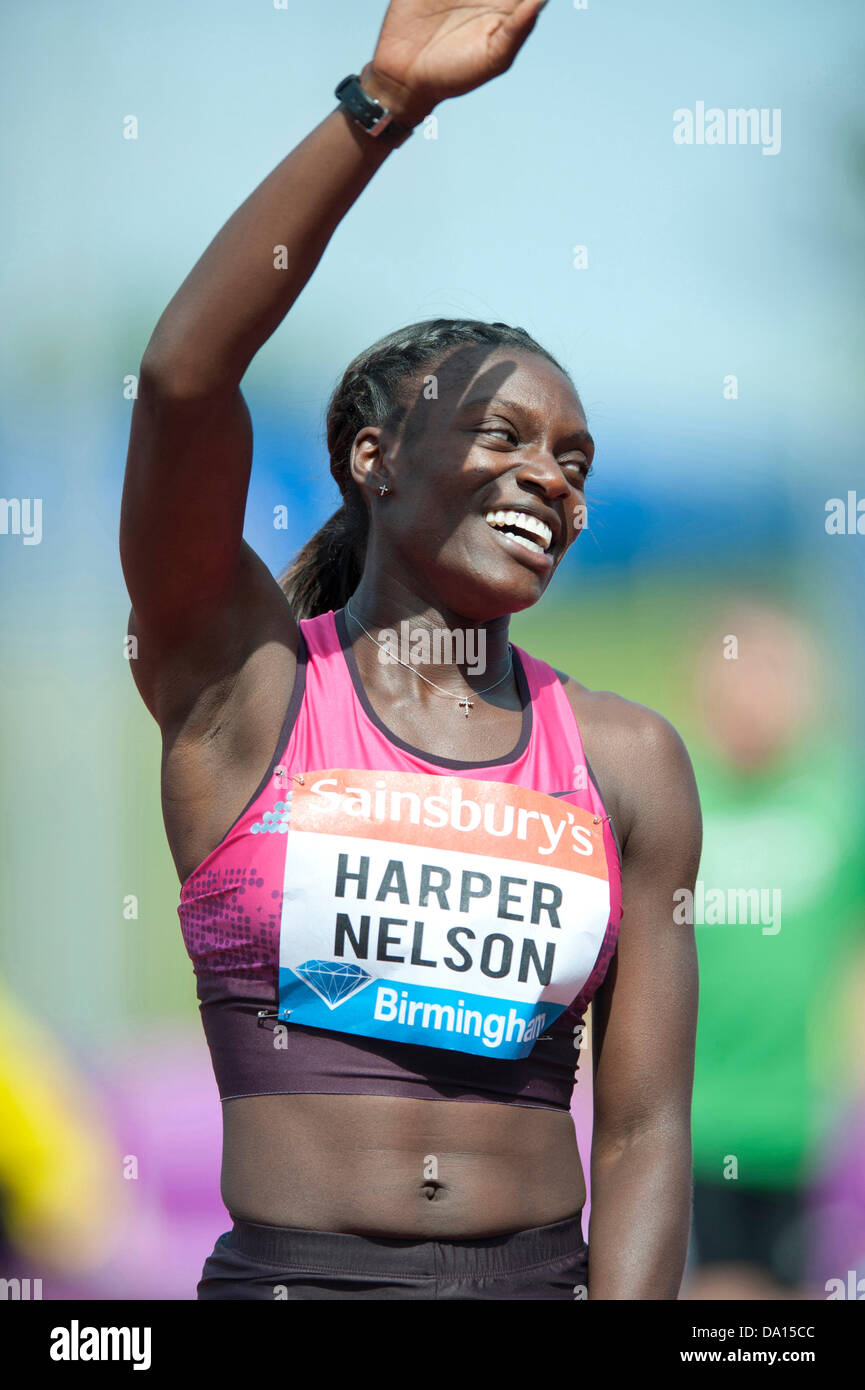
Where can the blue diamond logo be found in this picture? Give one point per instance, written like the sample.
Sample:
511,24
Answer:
333,980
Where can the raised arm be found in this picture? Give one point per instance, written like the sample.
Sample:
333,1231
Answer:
190,577
190,448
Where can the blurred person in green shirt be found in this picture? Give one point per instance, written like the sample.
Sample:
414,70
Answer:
778,910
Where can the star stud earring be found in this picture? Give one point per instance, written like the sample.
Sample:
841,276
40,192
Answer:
383,489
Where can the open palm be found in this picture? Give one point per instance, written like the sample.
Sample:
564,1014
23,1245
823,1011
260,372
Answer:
434,50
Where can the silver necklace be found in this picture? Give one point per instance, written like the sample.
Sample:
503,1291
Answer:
463,702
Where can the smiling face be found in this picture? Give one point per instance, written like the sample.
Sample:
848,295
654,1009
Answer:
486,478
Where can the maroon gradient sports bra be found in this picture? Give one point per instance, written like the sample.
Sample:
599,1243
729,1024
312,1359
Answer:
378,921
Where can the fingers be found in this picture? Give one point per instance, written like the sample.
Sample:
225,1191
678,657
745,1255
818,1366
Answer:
521,23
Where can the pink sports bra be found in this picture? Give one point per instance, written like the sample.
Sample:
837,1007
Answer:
378,921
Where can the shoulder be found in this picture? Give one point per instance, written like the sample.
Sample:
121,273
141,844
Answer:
638,757
648,740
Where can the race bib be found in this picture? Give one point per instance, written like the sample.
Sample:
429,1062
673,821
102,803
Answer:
437,910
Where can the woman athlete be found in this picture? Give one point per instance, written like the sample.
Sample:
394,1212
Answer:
392,974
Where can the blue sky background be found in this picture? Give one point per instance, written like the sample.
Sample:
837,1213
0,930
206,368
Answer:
703,261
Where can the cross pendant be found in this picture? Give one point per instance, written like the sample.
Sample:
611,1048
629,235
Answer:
466,704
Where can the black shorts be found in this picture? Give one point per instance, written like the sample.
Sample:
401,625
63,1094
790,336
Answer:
273,1263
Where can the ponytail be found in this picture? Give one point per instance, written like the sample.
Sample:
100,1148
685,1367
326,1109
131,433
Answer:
326,572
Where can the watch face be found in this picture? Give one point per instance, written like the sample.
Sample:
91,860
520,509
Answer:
366,110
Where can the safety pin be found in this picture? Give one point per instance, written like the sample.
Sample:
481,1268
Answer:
264,1014
282,773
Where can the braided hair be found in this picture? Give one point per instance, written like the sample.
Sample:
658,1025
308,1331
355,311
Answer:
326,572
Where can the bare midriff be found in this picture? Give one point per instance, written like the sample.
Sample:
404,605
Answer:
396,1167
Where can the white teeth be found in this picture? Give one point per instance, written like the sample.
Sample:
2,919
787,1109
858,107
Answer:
528,545
525,523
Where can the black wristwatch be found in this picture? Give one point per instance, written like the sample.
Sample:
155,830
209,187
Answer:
368,113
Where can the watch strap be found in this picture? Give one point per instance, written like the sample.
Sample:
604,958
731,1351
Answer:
369,113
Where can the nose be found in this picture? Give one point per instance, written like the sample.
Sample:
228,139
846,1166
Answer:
541,468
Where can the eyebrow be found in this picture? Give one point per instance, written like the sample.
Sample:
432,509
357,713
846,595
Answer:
582,436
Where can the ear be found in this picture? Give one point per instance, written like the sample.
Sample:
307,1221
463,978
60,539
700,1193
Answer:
367,462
